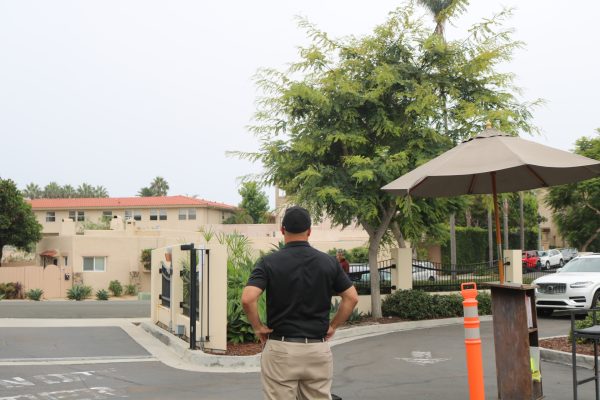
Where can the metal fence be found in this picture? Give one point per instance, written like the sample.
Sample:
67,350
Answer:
360,276
165,295
441,277
531,274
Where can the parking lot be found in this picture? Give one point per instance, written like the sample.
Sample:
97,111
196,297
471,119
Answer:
78,363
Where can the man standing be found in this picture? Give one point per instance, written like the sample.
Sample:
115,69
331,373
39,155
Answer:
296,361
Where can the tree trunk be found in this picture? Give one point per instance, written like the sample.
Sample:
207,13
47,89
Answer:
522,220
375,288
505,217
453,244
490,239
468,217
398,235
590,240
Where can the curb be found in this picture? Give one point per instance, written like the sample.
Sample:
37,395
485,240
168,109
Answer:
564,358
220,363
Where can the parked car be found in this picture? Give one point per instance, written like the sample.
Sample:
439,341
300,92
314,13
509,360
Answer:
568,253
575,286
551,258
531,260
424,271
361,278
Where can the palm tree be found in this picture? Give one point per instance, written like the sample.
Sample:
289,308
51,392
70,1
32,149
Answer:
85,190
145,192
69,192
159,186
442,10
52,191
32,191
100,191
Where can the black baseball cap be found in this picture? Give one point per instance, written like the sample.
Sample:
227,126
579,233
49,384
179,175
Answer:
296,220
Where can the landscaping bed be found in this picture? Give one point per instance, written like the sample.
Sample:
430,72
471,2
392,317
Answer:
563,344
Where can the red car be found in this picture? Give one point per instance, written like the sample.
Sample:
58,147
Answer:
531,260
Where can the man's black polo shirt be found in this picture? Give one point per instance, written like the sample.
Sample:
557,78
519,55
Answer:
299,281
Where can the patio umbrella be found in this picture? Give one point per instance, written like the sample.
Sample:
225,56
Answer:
494,162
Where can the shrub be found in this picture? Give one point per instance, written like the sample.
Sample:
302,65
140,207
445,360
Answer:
1,296
355,317
146,258
102,294
79,292
116,288
34,294
417,305
11,290
131,289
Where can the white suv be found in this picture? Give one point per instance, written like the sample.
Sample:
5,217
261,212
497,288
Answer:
551,258
576,286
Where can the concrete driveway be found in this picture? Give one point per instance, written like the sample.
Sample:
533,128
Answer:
79,363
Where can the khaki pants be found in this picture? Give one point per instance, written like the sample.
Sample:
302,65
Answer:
293,371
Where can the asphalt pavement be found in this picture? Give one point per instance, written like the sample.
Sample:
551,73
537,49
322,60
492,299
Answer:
74,309
419,364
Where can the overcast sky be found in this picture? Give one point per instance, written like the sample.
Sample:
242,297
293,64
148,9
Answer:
116,92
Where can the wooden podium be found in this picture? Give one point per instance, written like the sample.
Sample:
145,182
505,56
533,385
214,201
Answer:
515,341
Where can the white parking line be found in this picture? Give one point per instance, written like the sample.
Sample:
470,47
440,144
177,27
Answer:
7,362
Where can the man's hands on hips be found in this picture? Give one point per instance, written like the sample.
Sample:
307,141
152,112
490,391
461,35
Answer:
262,332
330,333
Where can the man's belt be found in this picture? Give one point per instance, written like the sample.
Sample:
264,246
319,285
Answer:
292,339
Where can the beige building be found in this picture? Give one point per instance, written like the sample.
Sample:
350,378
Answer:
550,237
153,213
98,256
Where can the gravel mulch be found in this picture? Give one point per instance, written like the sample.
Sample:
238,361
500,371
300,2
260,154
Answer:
563,344
250,349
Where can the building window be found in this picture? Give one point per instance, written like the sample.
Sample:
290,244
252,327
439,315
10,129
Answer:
133,214
154,215
107,215
77,215
222,214
50,216
163,215
187,213
66,261
94,264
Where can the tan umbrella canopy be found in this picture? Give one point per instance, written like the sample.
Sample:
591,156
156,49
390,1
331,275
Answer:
494,162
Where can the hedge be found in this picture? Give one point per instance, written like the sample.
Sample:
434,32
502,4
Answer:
416,305
472,244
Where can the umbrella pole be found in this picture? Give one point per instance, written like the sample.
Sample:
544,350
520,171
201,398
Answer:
498,235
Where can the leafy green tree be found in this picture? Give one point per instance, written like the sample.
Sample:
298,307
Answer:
240,217
32,191
577,206
366,110
18,225
68,192
254,201
100,191
158,187
52,191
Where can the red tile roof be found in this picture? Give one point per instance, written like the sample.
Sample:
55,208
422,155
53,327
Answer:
125,202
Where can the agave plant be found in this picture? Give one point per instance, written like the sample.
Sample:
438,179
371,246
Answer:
79,292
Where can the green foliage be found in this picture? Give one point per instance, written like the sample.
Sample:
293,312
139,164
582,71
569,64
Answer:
18,225
102,294
116,288
417,305
577,206
11,290
254,202
240,217
239,266
158,187
131,289
472,244
79,292
354,255
146,258
1,296
55,191
34,294
354,114
355,317
103,224
587,322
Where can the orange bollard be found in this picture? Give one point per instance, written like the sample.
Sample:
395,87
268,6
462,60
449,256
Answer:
473,342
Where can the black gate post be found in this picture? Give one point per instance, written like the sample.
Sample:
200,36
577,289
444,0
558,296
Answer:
193,300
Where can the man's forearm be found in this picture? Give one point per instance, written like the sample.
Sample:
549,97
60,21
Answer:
345,310
251,310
